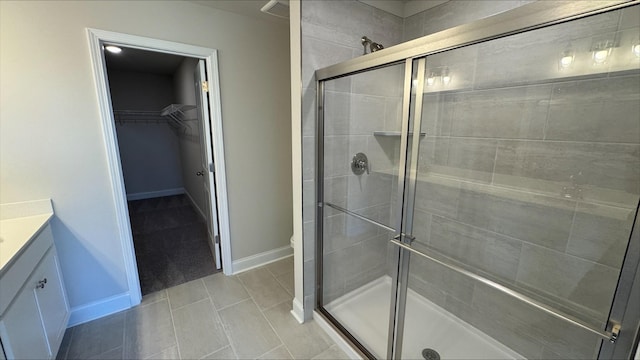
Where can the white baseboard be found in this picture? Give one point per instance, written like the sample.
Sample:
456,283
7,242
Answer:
343,344
154,194
195,205
254,261
97,309
297,311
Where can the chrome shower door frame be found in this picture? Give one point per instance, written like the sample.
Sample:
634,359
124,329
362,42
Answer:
625,310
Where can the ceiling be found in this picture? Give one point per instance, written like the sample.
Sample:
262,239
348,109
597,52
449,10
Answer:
243,7
131,59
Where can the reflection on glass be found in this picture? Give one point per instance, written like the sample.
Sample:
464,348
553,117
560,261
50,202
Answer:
529,176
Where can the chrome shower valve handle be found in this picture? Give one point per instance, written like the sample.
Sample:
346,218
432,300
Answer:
360,164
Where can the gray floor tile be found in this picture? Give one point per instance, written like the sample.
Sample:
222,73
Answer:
166,354
264,288
148,330
187,293
225,290
96,337
333,353
153,297
226,353
287,282
280,352
114,354
248,330
198,330
280,267
304,341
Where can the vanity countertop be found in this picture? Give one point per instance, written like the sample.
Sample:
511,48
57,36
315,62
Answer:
19,225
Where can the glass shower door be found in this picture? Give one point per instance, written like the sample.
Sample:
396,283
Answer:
528,177
360,152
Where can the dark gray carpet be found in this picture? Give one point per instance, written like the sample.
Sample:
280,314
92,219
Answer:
170,241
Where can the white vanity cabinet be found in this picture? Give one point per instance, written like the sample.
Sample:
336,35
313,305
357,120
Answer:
34,310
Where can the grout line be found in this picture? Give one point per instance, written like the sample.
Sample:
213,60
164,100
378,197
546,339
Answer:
173,324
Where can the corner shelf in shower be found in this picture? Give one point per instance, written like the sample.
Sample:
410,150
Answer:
394,133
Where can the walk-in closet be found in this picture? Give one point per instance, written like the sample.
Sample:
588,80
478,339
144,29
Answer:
158,122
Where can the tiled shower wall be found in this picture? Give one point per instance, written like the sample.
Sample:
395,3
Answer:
331,32
532,178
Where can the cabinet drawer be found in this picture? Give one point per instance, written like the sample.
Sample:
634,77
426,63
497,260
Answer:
18,272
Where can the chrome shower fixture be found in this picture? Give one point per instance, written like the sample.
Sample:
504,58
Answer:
373,46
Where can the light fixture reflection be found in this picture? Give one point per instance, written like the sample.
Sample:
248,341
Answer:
431,79
636,50
113,49
600,56
566,58
446,77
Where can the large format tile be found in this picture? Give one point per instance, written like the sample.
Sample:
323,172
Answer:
249,332
166,354
198,330
187,293
225,290
601,110
263,288
601,233
471,159
278,353
551,165
281,267
148,330
583,284
304,341
97,337
484,250
226,353
333,353
528,330
512,113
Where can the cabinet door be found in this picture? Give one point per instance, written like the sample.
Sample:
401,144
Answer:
51,298
22,334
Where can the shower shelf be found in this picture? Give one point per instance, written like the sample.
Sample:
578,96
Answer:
394,133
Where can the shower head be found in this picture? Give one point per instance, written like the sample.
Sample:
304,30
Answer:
373,46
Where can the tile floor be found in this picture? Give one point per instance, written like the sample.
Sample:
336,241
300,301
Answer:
170,241
216,317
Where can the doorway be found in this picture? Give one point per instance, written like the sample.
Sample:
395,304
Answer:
208,93
159,124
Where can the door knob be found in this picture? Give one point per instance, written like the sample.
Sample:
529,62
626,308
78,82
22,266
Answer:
200,173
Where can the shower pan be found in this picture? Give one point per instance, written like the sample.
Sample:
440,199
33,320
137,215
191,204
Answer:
478,189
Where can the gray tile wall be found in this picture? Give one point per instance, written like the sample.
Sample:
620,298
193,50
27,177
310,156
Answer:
331,32
533,181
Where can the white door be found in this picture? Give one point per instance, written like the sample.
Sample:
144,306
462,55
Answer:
207,160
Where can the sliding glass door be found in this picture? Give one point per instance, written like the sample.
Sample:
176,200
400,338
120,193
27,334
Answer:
480,202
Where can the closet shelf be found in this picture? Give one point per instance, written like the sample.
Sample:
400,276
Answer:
394,133
173,115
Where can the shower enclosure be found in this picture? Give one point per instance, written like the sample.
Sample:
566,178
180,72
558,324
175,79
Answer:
478,188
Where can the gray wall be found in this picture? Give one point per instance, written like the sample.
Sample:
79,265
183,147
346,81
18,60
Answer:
148,151
452,14
331,32
52,129
189,140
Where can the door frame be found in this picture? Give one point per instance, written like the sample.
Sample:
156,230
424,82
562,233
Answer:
96,40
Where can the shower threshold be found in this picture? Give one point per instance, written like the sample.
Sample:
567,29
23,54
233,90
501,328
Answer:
364,312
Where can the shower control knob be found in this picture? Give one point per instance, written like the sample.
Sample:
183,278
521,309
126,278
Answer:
360,164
